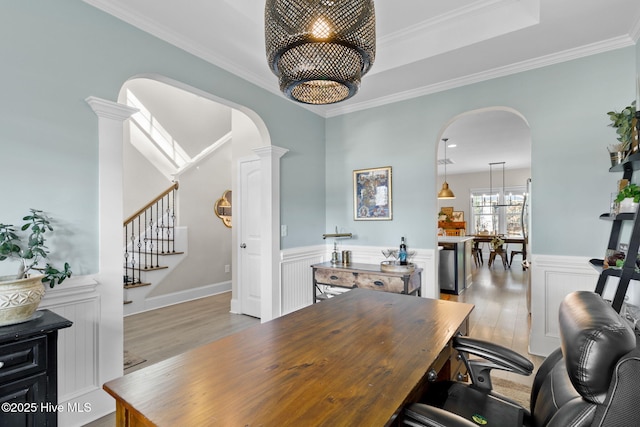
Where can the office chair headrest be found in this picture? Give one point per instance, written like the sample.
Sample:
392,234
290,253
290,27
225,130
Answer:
593,338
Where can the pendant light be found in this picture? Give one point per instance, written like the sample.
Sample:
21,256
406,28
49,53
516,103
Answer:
445,192
498,204
320,49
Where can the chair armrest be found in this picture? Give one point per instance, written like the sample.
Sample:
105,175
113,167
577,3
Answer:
502,357
421,415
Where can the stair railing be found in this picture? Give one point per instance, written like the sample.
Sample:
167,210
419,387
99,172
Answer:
148,233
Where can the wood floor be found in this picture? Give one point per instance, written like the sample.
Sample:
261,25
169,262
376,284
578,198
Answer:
500,315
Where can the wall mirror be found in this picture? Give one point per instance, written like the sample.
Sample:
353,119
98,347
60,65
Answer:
222,208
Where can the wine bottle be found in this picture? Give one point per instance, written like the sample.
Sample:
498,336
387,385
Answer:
402,255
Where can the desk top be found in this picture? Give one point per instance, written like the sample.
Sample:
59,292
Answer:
355,359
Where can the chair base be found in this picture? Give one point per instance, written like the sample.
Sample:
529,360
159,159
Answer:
502,255
475,405
514,253
477,256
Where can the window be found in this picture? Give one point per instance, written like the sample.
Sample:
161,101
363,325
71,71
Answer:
497,213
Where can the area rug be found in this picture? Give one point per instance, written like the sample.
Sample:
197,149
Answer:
513,390
131,360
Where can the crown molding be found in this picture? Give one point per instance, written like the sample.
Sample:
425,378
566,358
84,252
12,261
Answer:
532,64
167,35
171,37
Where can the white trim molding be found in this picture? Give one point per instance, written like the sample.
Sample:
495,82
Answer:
270,230
107,305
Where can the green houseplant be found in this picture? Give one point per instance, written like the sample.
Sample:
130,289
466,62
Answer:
628,198
631,191
624,123
21,293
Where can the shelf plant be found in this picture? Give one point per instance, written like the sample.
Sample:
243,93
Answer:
28,247
624,123
631,191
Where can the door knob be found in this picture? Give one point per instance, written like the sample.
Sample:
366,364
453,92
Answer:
244,245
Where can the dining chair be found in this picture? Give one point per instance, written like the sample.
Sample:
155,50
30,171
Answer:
502,254
477,255
521,252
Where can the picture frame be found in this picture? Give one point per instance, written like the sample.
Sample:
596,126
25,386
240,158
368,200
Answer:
457,216
447,210
372,194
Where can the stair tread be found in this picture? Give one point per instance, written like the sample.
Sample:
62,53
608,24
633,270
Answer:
159,253
136,285
162,267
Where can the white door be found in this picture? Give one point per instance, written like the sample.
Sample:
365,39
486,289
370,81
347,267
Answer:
249,238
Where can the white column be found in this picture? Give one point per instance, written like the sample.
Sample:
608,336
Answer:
111,118
270,231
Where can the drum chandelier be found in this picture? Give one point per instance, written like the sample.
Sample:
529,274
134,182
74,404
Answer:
320,49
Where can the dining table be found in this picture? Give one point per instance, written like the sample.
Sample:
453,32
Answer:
354,359
506,238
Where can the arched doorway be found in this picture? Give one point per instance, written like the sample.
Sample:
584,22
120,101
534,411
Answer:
250,139
111,116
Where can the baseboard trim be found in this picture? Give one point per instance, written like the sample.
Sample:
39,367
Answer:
160,301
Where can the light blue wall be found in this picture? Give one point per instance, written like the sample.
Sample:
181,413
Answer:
565,105
57,53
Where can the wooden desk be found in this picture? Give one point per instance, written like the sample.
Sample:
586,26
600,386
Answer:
366,276
354,360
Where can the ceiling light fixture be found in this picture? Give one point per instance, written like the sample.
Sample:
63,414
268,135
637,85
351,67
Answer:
320,49
445,192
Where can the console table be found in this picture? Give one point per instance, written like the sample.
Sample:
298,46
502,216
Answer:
354,360
29,370
366,276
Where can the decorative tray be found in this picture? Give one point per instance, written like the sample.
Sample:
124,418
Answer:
395,267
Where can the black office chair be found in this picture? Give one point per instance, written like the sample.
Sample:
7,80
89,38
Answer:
593,379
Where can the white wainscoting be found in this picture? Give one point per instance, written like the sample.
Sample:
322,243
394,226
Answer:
296,280
78,346
552,278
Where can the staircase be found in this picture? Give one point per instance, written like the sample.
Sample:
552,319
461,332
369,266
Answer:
151,238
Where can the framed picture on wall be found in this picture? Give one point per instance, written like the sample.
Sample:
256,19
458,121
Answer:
372,194
457,216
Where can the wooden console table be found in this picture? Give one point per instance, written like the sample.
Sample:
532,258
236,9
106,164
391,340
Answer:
354,360
366,276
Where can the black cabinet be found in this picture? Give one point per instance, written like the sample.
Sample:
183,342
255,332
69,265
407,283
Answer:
28,371
628,271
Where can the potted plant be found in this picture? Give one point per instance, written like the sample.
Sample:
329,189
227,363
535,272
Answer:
21,294
624,123
497,244
628,198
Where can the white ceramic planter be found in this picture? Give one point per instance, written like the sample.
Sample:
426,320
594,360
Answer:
19,299
627,205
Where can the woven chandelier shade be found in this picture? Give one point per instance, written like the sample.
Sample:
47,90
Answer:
320,49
